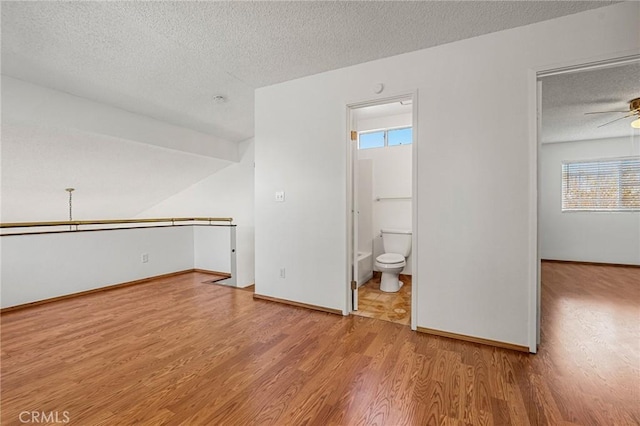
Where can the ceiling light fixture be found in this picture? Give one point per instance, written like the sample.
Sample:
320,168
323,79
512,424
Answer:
634,111
219,99
634,107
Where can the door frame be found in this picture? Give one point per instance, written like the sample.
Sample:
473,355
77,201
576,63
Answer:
535,111
350,153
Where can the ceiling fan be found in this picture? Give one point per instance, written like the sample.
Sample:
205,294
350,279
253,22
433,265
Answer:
634,111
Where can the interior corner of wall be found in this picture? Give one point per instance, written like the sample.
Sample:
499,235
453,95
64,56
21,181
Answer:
245,148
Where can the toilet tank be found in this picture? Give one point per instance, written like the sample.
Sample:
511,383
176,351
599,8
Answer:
397,241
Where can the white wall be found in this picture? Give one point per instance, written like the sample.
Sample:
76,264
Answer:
365,205
391,178
476,248
227,193
29,104
43,266
120,163
212,248
585,236
375,123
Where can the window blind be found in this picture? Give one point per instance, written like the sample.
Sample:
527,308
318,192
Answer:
601,185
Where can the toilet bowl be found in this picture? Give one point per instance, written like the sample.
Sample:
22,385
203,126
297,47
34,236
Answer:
397,246
390,264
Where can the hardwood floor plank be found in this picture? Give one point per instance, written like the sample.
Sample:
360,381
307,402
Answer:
346,407
320,392
176,351
434,402
500,411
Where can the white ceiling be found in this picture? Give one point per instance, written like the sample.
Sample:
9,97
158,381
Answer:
567,97
167,60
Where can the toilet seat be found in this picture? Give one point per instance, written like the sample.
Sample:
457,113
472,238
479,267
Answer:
397,247
390,258
391,262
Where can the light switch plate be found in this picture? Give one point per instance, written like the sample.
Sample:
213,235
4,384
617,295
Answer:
280,196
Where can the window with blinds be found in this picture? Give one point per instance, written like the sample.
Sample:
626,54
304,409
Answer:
601,185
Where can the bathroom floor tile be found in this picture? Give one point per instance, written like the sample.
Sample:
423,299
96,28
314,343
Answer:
367,295
375,303
387,298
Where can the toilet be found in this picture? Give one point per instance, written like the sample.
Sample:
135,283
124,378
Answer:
397,246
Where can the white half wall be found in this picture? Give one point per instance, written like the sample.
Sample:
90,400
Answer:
476,249
212,248
227,193
43,266
608,237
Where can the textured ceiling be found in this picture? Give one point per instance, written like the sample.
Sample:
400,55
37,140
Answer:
567,97
167,60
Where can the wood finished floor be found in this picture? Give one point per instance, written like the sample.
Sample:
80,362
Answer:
177,351
375,303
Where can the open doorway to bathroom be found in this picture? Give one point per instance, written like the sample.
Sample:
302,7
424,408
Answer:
382,183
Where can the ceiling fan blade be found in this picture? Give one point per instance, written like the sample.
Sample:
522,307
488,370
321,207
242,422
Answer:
604,112
617,119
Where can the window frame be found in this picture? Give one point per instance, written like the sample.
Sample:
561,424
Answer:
368,132
385,130
619,208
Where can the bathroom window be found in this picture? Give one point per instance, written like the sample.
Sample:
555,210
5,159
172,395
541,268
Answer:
385,137
368,140
400,136
601,185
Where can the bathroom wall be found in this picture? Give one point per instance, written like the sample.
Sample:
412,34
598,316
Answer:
393,120
365,205
608,237
391,177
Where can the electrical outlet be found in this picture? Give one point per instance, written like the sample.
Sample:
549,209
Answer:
282,273
280,196
145,257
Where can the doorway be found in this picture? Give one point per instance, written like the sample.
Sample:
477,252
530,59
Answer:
382,188
586,146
